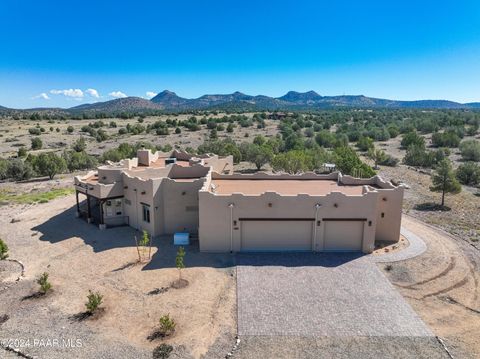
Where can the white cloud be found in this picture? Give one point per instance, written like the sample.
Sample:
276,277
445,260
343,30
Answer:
151,94
117,94
42,95
93,93
76,93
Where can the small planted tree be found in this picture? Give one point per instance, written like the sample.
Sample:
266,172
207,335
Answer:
179,261
3,250
443,179
93,301
143,247
44,284
167,325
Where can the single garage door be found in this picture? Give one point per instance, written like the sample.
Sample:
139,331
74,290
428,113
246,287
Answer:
343,235
276,235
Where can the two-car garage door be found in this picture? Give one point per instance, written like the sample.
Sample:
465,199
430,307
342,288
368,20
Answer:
276,235
297,235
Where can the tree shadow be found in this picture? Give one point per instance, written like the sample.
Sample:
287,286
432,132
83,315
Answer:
431,207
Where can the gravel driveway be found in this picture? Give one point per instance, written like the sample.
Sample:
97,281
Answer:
320,295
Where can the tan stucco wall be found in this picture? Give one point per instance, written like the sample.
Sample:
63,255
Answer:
390,204
134,194
215,223
180,206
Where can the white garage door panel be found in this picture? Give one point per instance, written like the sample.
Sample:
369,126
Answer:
343,235
276,235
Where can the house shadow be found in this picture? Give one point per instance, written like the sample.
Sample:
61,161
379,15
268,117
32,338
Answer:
297,259
166,253
66,225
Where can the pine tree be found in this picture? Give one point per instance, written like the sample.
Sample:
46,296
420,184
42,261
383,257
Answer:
444,180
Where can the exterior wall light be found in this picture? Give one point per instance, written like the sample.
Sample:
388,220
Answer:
384,199
270,205
335,205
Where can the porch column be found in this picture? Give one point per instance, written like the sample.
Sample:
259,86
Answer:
78,204
101,211
101,225
89,211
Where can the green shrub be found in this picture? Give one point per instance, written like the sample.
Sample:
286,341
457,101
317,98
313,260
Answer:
70,129
412,138
94,300
80,145
49,164
44,284
365,143
3,250
348,162
418,156
79,160
34,131
389,161
445,139
468,174
22,152
162,351
470,150
19,170
36,143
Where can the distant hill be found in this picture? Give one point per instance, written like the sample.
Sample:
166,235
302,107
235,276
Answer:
169,99
118,105
292,100
301,97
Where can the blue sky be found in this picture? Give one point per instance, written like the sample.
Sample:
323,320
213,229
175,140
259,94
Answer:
53,52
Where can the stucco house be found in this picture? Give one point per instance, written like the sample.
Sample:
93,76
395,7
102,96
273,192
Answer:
165,193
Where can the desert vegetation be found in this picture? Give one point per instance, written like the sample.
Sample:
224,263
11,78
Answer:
360,142
3,250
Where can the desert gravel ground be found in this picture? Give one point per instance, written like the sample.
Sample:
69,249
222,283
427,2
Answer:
339,348
79,257
441,285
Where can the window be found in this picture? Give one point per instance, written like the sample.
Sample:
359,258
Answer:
146,212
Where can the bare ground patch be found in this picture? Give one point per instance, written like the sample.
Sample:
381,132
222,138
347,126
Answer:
79,257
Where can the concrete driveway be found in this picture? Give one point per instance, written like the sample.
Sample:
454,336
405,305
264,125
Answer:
320,295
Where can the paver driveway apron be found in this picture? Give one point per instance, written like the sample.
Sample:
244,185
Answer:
320,294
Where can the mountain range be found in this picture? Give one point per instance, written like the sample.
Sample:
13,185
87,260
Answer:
169,101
